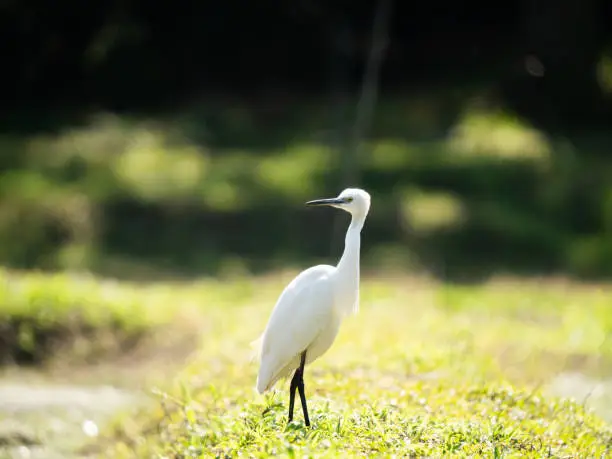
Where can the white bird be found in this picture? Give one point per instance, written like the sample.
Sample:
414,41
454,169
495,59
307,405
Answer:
307,316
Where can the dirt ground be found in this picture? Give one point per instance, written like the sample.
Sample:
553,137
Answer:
52,413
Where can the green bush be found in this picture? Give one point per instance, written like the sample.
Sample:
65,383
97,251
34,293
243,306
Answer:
162,195
72,316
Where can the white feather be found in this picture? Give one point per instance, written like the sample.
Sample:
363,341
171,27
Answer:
299,321
308,313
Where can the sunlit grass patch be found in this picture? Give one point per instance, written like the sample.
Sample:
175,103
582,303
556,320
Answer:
422,418
77,315
423,370
43,315
436,419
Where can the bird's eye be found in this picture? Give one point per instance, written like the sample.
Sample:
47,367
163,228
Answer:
349,199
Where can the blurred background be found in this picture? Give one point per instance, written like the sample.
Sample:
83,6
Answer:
178,141
144,139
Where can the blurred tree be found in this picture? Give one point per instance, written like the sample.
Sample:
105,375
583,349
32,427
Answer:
252,83
132,55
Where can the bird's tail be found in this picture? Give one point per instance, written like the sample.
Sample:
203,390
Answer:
265,381
261,386
256,349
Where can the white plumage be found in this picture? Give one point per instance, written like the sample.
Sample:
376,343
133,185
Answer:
309,311
302,320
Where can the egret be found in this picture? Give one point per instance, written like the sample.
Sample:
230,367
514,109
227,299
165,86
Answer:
308,313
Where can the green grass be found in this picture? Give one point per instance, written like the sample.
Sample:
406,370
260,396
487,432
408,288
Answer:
423,370
75,316
79,317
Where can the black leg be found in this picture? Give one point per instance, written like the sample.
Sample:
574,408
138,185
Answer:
300,386
292,388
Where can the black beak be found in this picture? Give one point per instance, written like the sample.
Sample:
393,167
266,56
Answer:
325,202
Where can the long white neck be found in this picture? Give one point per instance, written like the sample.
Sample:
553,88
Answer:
348,268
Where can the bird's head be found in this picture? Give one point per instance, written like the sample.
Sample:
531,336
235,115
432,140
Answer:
354,200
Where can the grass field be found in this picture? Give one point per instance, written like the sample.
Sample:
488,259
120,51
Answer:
423,370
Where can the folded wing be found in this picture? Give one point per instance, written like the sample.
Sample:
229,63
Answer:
301,312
